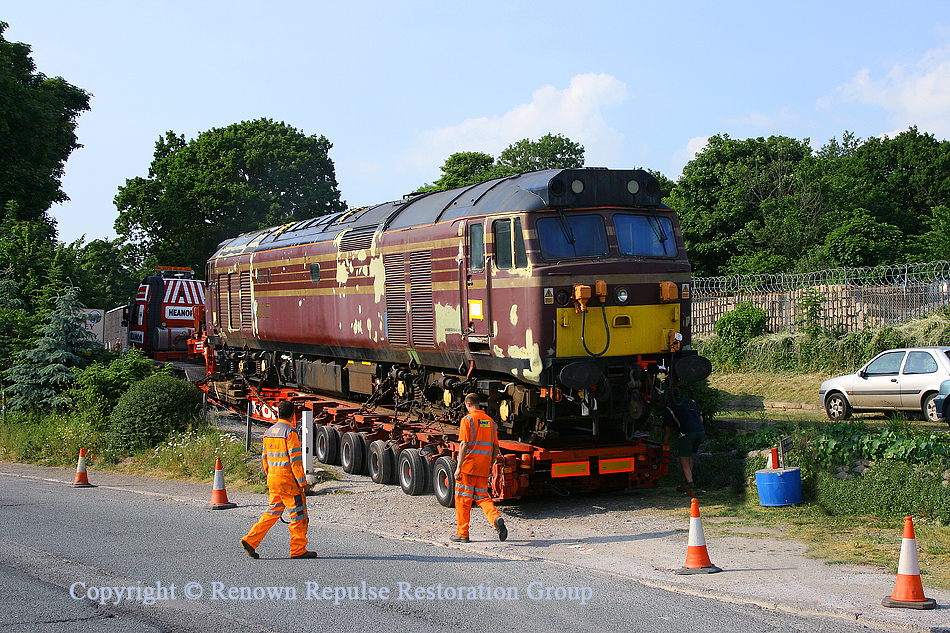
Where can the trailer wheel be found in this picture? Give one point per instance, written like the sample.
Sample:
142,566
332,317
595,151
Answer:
353,453
443,481
411,472
328,445
381,463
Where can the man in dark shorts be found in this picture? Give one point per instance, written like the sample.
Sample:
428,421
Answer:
682,415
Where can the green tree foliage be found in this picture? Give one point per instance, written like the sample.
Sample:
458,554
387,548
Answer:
16,324
27,255
750,206
37,131
863,241
899,180
43,373
227,181
772,205
150,410
551,151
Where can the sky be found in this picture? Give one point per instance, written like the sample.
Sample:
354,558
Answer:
399,86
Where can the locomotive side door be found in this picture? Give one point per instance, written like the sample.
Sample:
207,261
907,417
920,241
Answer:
475,286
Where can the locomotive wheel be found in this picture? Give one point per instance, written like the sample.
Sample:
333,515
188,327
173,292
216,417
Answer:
381,463
411,472
353,453
328,445
443,481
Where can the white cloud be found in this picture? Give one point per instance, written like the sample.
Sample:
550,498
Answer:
574,112
694,146
919,95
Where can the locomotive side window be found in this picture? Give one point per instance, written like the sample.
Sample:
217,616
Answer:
509,244
572,237
476,247
645,235
315,272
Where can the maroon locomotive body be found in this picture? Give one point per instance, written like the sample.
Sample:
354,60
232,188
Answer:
562,296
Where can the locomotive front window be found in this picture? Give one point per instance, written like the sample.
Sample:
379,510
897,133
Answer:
645,235
572,237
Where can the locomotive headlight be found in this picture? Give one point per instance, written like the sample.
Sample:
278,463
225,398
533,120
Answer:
577,186
633,187
622,295
562,298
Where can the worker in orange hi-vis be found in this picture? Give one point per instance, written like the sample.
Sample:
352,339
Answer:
478,450
287,484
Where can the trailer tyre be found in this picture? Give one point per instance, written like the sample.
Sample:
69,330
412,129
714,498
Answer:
411,471
443,481
328,445
353,453
381,463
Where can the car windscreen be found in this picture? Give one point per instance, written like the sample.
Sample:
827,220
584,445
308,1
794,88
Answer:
645,235
572,237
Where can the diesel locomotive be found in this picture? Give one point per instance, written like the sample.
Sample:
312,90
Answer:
561,296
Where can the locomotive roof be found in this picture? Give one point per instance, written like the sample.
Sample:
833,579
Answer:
533,191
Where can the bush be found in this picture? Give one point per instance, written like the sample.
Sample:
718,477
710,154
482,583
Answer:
733,330
150,410
98,387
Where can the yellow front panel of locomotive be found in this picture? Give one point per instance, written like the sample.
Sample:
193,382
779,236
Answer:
633,330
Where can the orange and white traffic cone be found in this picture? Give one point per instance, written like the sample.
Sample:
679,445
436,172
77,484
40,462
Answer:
82,479
219,496
909,592
697,558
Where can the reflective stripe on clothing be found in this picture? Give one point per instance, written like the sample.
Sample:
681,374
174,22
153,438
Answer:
471,489
299,522
479,433
282,459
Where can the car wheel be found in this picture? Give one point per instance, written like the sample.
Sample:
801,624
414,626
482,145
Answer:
929,409
837,407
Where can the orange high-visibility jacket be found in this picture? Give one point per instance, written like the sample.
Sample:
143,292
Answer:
283,459
479,432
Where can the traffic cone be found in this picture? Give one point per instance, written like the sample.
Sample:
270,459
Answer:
82,480
697,558
219,496
909,592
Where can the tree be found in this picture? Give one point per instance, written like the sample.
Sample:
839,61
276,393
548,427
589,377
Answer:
863,241
27,254
38,118
750,206
227,181
43,373
462,169
551,151
16,324
899,180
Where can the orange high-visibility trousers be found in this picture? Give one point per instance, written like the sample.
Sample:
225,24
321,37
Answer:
471,489
299,521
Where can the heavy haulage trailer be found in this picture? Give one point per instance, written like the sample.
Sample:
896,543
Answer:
562,297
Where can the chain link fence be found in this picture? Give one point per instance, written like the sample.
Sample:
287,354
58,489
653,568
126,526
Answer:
848,299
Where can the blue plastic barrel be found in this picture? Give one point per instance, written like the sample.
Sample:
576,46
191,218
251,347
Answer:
779,486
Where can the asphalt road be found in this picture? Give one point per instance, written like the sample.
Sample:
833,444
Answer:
171,565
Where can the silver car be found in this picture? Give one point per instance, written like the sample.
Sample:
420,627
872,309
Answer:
898,379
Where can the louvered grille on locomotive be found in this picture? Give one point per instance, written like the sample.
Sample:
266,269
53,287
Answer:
396,317
246,304
421,307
